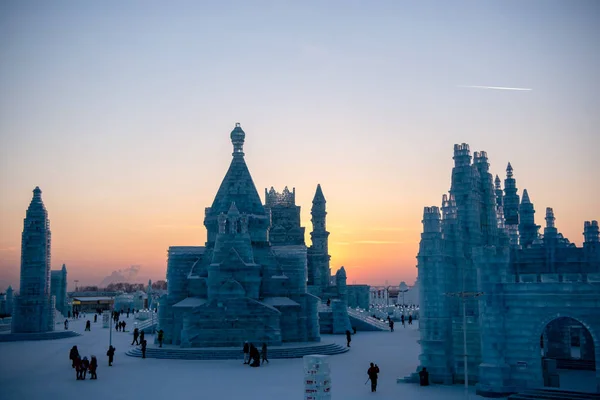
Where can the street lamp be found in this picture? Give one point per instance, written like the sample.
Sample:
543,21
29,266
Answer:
464,296
112,310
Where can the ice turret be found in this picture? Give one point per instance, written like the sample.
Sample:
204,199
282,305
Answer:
511,206
499,192
319,269
590,232
528,230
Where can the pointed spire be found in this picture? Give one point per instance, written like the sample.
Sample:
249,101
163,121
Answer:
509,171
237,138
319,195
64,268
525,198
497,183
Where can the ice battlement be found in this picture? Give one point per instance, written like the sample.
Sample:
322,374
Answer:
285,198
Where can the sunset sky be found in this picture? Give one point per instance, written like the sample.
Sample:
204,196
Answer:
121,113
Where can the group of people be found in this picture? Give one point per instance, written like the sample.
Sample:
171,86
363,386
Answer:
410,319
138,339
83,365
252,356
120,326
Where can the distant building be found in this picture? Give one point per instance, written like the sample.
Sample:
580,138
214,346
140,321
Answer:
34,306
58,288
6,302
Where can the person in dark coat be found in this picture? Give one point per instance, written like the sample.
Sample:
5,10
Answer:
372,372
123,324
144,344
392,325
348,338
142,336
73,354
246,352
136,334
264,353
93,368
85,365
424,377
78,367
111,354
161,336
95,318
66,324
254,356
402,320
410,319
88,325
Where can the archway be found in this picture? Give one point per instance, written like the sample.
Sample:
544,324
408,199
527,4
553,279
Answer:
567,350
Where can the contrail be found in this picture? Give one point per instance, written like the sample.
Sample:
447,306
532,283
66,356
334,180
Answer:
495,88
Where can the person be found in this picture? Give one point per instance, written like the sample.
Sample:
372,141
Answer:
161,336
392,325
77,364
88,325
354,330
264,353
66,324
424,377
372,372
136,334
246,350
95,318
402,320
123,326
142,336
73,354
348,338
410,319
111,354
254,356
93,368
144,343
85,365
328,302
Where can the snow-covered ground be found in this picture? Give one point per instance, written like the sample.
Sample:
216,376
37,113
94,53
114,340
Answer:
42,370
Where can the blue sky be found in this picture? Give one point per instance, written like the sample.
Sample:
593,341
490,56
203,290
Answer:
123,109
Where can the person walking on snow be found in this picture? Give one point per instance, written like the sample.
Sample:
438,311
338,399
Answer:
93,368
410,319
402,320
111,354
73,354
348,338
372,372
88,325
136,334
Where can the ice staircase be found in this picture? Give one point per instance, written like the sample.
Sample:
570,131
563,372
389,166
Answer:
236,353
549,394
364,322
147,326
21,337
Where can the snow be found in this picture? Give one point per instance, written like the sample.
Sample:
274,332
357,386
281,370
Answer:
42,370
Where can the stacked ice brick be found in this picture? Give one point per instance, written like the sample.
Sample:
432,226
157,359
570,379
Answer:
317,381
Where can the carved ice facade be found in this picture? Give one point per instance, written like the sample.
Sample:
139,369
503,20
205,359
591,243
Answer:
485,241
243,284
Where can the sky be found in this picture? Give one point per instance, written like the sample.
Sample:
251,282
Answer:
121,113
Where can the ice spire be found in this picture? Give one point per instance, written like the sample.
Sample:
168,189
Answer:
237,138
528,230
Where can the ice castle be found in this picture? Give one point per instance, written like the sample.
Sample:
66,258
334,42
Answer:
496,290
254,279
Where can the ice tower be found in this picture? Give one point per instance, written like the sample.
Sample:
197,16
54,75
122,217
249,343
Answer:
34,307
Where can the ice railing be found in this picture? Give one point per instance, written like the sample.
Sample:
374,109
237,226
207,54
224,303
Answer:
553,278
363,315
